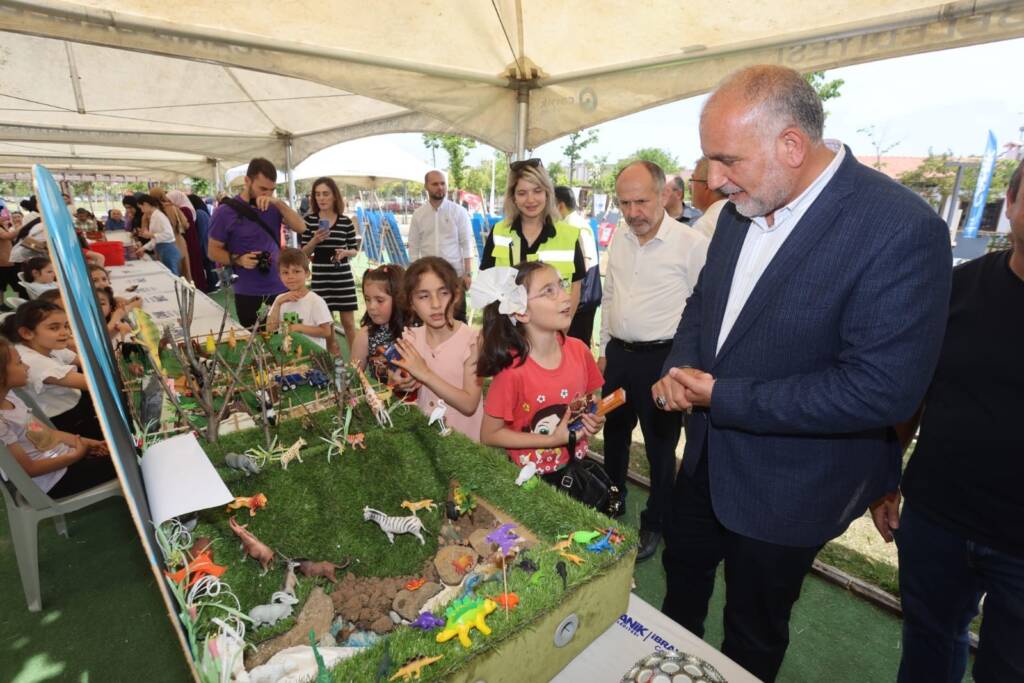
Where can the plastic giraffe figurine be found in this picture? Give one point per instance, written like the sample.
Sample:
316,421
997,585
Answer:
380,411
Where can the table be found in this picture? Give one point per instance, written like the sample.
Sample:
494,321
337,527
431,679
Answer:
639,632
155,284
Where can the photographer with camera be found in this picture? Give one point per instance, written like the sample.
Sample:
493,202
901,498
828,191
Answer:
245,233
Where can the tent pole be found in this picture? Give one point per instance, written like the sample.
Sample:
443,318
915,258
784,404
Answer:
522,119
288,169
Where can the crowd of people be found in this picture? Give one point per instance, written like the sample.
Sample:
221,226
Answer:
799,323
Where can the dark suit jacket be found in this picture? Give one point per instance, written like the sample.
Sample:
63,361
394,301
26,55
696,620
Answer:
837,342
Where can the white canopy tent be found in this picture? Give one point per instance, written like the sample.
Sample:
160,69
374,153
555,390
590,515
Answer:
284,80
362,163
155,165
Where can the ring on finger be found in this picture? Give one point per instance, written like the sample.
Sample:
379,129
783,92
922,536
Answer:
661,402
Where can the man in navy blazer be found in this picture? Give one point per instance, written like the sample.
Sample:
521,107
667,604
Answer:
816,324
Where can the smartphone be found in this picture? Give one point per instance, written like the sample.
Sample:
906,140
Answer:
325,225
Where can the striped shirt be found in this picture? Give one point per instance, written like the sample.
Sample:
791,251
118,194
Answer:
332,280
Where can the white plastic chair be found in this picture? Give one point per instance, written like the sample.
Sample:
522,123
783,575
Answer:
34,289
15,301
27,505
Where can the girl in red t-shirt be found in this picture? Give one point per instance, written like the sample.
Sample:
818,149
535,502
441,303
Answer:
543,380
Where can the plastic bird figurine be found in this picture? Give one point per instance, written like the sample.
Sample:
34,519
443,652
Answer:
526,473
437,415
202,565
211,344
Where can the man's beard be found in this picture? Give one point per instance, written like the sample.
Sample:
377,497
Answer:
771,197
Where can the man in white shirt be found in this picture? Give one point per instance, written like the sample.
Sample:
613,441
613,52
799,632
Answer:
652,269
441,228
708,200
582,326
674,198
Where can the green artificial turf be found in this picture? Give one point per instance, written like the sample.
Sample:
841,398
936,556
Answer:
315,510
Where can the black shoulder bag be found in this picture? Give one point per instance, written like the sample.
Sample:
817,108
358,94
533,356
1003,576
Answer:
246,211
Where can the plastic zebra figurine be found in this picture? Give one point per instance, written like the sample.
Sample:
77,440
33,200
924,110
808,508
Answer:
380,411
395,525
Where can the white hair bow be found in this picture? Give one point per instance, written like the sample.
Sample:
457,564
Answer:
499,284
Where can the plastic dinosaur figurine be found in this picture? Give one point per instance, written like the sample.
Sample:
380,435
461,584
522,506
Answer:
507,601
254,503
575,559
377,407
504,538
292,453
321,667
425,504
427,622
528,565
325,569
564,573
583,537
201,565
413,668
614,535
463,564
470,583
253,547
384,665
356,441
562,545
415,584
465,614
602,545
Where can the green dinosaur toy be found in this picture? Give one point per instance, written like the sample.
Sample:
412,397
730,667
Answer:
463,615
583,537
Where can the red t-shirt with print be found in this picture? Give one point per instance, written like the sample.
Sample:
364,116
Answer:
529,398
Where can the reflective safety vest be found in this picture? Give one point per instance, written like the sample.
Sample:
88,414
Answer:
558,251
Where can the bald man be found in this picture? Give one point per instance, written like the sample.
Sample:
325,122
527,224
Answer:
816,325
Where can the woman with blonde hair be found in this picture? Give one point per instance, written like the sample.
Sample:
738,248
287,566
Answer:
533,230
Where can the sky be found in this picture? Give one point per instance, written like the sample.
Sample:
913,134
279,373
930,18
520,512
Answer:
945,100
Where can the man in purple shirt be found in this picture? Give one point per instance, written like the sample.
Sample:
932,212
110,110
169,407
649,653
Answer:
245,234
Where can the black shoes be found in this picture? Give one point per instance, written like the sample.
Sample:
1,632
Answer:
649,541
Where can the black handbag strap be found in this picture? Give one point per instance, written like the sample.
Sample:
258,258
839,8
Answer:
246,211
25,229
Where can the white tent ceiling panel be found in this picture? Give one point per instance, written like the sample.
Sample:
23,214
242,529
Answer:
311,71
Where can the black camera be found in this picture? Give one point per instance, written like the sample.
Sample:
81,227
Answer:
263,262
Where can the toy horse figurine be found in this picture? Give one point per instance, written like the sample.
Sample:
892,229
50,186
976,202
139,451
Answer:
377,407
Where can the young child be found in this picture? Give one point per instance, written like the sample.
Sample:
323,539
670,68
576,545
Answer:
542,379
113,314
100,277
55,460
38,276
42,333
439,355
381,325
314,317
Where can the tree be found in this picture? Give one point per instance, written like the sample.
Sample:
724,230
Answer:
456,146
879,143
578,142
934,180
200,186
558,175
432,141
827,90
662,157
602,175
478,178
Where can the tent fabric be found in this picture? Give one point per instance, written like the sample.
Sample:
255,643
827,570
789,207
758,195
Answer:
156,164
313,74
362,163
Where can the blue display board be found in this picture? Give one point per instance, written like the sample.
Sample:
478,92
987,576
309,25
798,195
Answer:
98,365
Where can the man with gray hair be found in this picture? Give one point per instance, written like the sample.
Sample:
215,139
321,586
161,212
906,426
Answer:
674,198
706,200
815,327
651,270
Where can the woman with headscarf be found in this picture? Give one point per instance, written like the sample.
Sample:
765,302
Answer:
195,251
180,224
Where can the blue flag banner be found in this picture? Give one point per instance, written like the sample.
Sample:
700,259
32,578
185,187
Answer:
98,365
988,166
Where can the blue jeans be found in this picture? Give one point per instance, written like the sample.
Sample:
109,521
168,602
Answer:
942,579
169,255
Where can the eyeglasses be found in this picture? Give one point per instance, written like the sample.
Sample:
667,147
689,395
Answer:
520,165
551,291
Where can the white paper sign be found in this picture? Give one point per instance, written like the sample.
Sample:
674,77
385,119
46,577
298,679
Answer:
180,479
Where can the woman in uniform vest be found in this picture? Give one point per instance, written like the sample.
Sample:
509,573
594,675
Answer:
532,229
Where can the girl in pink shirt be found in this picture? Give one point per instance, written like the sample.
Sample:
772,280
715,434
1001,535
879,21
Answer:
543,380
438,357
